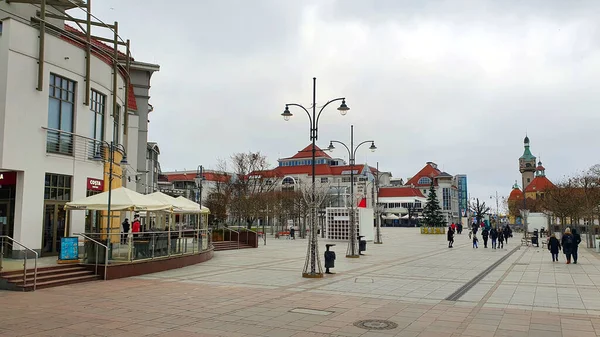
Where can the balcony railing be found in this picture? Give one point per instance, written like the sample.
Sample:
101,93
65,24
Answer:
73,145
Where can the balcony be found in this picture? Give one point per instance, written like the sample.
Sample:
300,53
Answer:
81,148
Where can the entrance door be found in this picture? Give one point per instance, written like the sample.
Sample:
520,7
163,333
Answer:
5,219
54,228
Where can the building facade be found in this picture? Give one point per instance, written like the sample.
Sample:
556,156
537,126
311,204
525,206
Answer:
63,116
463,195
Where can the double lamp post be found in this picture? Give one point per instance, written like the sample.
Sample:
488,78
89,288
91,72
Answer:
312,266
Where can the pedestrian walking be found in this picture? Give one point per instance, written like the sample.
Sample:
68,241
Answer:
507,233
567,241
450,237
576,242
485,234
475,240
554,247
126,226
494,236
500,239
460,228
292,233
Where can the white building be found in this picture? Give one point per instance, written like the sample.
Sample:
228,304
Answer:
57,122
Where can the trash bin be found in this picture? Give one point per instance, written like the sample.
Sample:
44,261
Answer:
362,245
329,258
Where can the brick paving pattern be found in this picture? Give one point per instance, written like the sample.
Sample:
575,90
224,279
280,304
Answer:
252,293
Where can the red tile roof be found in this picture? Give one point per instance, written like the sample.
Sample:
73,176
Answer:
388,192
320,170
307,153
515,194
100,51
208,176
427,171
539,184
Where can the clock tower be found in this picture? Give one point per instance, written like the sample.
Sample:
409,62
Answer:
527,165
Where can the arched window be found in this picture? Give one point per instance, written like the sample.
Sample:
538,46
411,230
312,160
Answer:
424,181
287,184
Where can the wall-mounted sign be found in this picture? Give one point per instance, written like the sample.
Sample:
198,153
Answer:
95,184
8,178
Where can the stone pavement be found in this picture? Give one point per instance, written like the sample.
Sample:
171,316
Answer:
260,292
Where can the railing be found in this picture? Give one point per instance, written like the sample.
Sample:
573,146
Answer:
245,230
70,144
97,251
12,242
231,231
130,247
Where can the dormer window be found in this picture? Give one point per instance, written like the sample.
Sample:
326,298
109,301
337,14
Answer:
424,181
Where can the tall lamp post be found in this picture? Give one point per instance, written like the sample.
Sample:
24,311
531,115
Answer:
378,210
352,244
312,266
111,159
199,180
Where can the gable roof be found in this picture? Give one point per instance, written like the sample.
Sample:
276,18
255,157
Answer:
389,192
307,153
539,184
428,171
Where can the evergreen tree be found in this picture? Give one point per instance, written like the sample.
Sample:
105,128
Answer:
432,213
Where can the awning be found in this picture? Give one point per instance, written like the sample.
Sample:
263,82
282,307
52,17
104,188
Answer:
122,199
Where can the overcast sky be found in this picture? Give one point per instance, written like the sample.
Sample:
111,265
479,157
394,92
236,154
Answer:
458,82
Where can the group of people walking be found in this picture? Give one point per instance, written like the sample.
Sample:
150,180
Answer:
497,236
569,243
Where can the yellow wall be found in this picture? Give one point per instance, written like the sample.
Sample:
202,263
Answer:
117,181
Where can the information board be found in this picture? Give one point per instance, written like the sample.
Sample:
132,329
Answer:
69,248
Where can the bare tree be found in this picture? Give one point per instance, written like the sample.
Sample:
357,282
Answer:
251,181
563,202
480,210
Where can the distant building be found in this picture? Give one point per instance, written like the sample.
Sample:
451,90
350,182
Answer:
463,195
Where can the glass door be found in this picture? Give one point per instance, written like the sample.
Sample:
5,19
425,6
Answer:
54,228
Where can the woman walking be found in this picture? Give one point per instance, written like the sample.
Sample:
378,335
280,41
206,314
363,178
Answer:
494,236
500,239
450,237
554,247
567,242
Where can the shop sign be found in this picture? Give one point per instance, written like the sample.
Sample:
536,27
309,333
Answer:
8,178
95,184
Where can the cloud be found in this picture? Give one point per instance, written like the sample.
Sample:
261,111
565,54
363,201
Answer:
455,82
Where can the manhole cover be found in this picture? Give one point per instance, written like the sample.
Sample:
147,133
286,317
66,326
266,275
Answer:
376,324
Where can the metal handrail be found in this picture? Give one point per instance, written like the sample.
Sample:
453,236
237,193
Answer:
24,260
105,253
238,235
245,229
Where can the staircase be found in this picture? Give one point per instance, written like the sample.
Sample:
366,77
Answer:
46,277
229,245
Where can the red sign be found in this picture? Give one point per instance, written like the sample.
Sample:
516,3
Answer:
8,178
95,184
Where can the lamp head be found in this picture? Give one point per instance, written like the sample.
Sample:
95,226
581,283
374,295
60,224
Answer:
372,147
286,114
343,109
97,156
330,147
124,160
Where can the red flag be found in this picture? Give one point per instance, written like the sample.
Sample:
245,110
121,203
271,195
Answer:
362,203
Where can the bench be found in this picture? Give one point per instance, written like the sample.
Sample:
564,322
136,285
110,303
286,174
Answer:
282,234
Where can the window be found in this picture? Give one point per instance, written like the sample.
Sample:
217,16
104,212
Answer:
97,106
446,199
61,108
57,187
116,126
324,180
345,179
424,181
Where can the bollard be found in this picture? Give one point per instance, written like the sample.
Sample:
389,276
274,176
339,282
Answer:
329,259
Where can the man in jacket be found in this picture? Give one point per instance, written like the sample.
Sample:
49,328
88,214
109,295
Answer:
567,242
575,247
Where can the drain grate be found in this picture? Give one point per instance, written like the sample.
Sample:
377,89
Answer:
363,280
376,324
311,311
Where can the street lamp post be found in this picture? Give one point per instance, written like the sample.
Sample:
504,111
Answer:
312,266
111,158
378,210
352,251
199,180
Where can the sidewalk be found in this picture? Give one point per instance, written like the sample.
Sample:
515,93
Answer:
260,292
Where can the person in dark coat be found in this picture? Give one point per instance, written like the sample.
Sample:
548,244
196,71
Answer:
485,234
500,239
292,233
575,247
567,241
450,237
507,233
494,236
126,227
554,247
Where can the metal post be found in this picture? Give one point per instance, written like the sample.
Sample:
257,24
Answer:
88,53
40,84
110,174
378,221
352,237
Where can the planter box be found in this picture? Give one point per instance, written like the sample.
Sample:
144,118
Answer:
433,230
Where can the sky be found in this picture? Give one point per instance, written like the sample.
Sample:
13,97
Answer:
459,83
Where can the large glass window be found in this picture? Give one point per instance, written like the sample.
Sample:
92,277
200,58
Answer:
116,126
61,109
97,106
424,181
57,187
446,199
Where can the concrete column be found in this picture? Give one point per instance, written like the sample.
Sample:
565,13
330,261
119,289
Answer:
29,213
